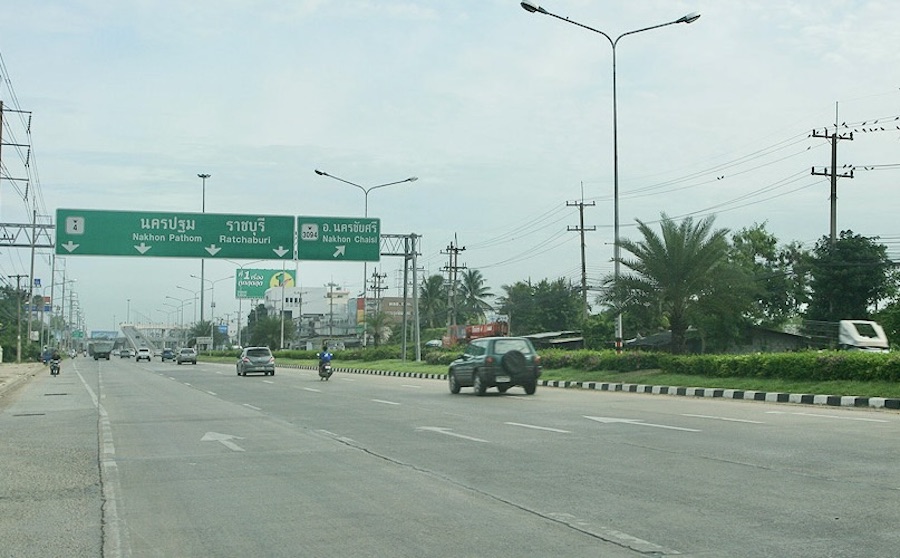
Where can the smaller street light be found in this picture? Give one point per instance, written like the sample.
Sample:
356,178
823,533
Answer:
365,192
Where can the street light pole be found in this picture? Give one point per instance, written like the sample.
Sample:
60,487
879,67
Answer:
532,7
365,192
203,177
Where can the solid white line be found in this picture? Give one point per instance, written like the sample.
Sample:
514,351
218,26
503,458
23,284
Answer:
385,402
537,427
252,407
723,418
116,542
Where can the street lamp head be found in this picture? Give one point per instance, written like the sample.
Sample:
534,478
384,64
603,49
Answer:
532,7
412,178
689,18
321,173
204,175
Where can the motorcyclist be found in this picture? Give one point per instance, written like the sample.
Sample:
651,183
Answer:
55,359
324,357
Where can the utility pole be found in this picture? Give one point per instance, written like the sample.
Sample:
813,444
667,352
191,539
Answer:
378,286
19,317
834,138
581,229
452,268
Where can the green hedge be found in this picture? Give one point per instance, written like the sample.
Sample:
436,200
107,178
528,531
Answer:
807,366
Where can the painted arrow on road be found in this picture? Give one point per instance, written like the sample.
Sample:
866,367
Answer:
638,422
224,439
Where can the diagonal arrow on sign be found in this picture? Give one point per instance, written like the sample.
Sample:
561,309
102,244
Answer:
224,439
339,251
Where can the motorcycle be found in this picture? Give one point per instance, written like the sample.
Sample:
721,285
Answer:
324,371
54,367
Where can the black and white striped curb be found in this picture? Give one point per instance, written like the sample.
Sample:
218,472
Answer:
746,395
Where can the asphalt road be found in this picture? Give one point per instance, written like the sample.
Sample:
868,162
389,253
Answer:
129,459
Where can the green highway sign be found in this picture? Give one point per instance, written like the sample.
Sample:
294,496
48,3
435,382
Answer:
339,238
83,232
253,283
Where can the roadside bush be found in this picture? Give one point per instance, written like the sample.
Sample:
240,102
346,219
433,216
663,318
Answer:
804,366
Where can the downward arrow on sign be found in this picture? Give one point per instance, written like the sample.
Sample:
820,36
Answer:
212,249
142,248
69,246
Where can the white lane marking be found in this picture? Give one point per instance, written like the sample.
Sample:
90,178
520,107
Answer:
187,384
211,393
624,539
349,379
816,415
252,407
338,438
449,432
548,429
411,386
224,439
385,402
727,419
638,422
116,542
313,390
268,382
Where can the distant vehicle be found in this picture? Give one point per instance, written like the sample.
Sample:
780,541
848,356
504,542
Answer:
186,355
849,335
500,362
100,349
144,354
167,354
256,359
434,344
126,353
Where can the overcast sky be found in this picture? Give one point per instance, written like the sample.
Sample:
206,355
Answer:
504,116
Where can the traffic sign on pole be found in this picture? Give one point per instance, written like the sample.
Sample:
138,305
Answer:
339,238
175,235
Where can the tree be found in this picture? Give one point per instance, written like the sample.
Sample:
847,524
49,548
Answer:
474,293
545,306
849,276
379,325
780,286
673,272
433,302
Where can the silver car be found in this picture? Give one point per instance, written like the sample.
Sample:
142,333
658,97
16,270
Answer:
256,359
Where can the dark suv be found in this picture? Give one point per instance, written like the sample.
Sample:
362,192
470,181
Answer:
500,362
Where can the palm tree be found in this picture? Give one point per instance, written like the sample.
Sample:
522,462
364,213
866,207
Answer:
672,273
474,292
433,301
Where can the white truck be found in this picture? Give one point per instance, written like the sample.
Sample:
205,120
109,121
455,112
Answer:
851,335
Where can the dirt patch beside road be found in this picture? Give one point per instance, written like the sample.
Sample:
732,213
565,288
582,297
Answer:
14,375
